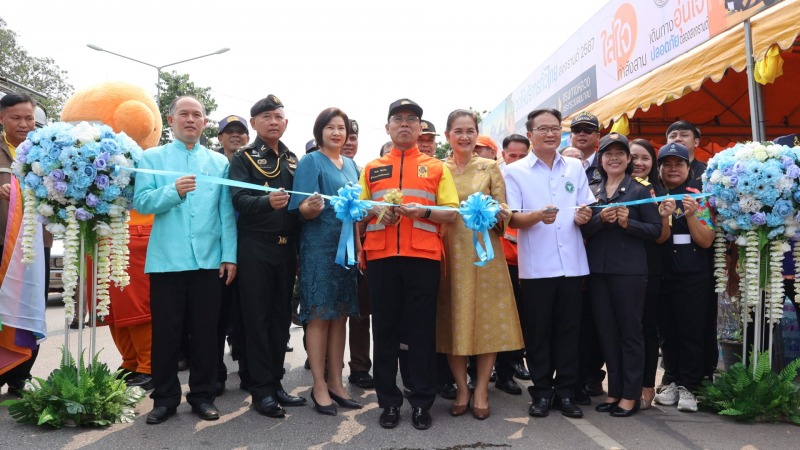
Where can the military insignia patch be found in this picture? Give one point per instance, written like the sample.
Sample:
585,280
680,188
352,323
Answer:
261,161
569,187
275,99
422,171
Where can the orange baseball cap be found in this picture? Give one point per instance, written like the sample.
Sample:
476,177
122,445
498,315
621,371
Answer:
486,141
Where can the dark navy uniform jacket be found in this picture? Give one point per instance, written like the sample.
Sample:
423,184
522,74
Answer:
612,249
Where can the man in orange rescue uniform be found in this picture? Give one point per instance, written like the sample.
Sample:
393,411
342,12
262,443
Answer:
403,252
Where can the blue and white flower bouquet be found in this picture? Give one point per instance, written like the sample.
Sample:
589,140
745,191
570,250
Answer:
69,184
756,194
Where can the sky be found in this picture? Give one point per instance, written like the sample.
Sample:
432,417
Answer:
357,55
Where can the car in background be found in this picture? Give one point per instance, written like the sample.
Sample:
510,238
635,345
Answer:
57,265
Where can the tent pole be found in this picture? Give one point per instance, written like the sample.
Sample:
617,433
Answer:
753,88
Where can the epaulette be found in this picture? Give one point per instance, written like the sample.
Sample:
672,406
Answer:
245,148
642,181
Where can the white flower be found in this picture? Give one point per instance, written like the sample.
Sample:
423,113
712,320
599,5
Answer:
115,211
36,168
45,209
102,229
55,228
716,176
85,133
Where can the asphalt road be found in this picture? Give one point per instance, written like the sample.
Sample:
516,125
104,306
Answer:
508,427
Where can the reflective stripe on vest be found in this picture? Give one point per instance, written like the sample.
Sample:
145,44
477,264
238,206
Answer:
510,238
430,196
425,226
376,227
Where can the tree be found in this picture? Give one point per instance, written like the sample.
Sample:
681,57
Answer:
173,85
41,74
443,149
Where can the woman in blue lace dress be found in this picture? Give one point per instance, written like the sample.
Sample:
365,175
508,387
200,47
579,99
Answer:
328,291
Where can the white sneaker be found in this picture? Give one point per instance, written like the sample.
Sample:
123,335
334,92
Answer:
687,402
667,395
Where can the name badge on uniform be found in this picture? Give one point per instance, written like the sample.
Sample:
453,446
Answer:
422,171
380,173
682,239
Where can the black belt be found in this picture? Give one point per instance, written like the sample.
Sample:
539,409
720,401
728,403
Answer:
271,237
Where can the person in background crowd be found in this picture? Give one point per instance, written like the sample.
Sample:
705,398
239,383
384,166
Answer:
328,291
385,148
311,146
572,152
192,252
17,118
615,245
359,337
512,364
682,305
427,139
643,157
233,134
472,320
403,263
486,147
585,129
267,254
551,287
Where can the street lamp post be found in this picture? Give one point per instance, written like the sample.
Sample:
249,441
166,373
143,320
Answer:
158,68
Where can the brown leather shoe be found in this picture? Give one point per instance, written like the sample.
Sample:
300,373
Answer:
458,410
481,413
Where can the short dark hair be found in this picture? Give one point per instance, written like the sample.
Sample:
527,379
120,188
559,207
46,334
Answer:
324,118
460,113
538,112
385,148
516,138
174,103
14,99
652,177
684,125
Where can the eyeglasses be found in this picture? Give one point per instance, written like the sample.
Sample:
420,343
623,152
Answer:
548,130
408,119
585,130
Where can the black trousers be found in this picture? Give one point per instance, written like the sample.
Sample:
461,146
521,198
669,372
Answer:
403,292
191,298
682,309
266,273
551,313
618,302
504,361
231,326
591,360
650,330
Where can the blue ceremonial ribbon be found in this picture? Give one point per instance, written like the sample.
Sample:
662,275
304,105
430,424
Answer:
479,213
349,209
652,200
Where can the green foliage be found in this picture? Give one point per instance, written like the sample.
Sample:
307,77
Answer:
443,150
763,395
173,85
97,399
38,73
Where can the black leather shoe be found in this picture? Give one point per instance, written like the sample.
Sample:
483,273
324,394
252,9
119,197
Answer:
307,365
540,407
269,407
390,417
509,386
594,388
421,418
159,414
16,388
568,407
206,411
606,407
289,348
448,391
328,410
142,380
125,374
345,402
362,379
622,412
520,371
285,399
582,399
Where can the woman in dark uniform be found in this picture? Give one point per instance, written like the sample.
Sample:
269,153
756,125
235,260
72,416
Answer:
682,306
615,245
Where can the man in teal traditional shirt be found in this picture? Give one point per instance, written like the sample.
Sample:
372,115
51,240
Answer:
192,251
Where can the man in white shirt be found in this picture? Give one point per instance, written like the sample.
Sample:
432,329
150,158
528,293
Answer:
550,194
